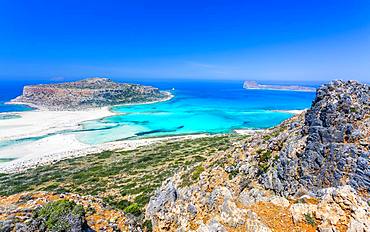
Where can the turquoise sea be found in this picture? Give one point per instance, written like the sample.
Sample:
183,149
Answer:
197,107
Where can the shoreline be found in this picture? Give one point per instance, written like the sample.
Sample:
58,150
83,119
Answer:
38,122
167,98
54,147
36,107
248,131
295,112
41,121
78,150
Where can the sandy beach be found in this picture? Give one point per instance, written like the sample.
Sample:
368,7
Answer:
41,122
247,131
52,148
59,147
290,111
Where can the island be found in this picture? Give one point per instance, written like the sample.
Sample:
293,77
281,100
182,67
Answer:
255,85
86,94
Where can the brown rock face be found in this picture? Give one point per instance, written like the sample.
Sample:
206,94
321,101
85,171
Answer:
88,93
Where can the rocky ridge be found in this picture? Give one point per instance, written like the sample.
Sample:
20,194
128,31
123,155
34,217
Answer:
311,173
87,93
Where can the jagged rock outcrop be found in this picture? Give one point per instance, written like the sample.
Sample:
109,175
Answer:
335,142
87,93
311,173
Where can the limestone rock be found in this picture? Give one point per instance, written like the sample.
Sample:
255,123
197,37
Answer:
311,171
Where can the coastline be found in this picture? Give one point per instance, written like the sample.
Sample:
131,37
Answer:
295,112
42,122
167,98
54,148
272,89
248,131
242,131
56,151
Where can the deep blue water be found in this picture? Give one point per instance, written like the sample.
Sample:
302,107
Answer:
8,91
198,107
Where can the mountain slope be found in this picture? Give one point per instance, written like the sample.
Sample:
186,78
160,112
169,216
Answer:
309,173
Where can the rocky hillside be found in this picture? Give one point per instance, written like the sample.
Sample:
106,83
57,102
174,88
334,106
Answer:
311,173
43,211
88,93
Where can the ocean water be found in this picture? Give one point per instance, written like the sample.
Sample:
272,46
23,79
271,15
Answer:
197,107
8,91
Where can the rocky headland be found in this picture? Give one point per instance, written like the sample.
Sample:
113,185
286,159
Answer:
86,94
255,85
311,173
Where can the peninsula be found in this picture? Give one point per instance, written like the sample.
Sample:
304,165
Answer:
255,85
310,173
86,94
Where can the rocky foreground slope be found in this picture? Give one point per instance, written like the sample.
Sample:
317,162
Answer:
87,93
311,173
43,211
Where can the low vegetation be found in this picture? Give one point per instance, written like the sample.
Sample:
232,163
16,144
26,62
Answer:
62,215
124,179
310,219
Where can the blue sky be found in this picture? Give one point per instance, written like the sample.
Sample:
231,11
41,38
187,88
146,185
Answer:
263,40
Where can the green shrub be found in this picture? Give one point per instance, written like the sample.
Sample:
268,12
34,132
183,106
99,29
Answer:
147,225
263,167
59,215
309,219
265,157
122,204
197,171
133,209
233,174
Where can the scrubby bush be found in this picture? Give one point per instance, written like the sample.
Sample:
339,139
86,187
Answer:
62,215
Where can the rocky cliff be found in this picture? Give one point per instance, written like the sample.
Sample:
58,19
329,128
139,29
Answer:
311,173
88,93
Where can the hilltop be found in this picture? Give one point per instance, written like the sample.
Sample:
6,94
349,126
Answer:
87,93
311,173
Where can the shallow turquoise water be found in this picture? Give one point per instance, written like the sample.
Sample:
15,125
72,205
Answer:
8,116
198,107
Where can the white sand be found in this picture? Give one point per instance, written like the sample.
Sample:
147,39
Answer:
59,147
290,111
247,131
39,122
